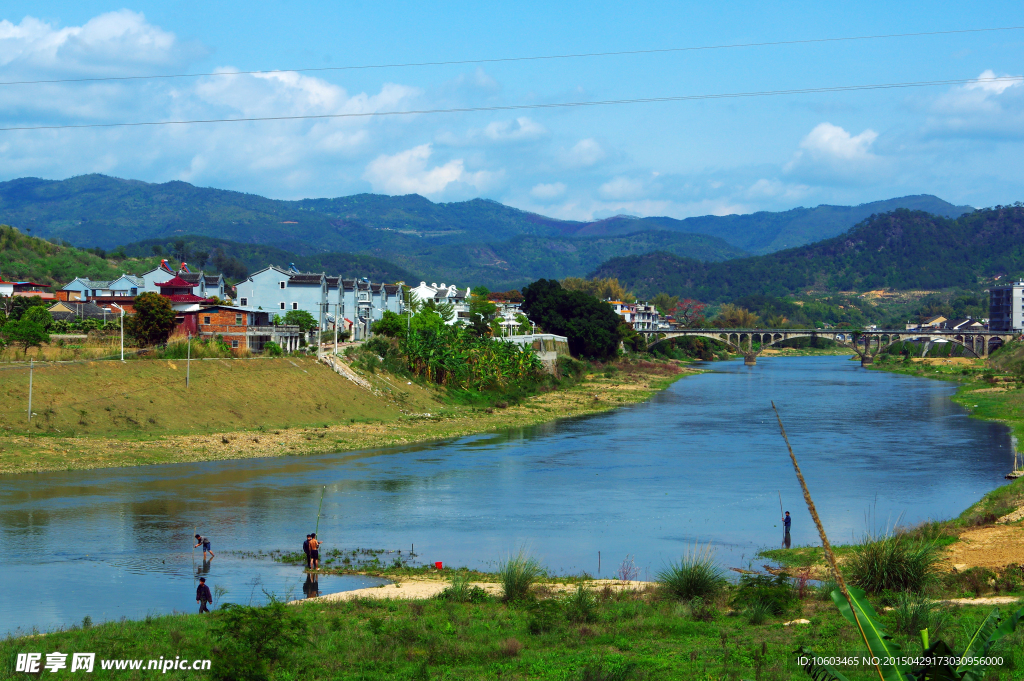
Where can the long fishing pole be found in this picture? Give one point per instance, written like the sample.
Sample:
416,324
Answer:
320,509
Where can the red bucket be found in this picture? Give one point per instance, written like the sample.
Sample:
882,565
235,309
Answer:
439,565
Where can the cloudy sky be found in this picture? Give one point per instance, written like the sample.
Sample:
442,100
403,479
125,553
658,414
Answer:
961,142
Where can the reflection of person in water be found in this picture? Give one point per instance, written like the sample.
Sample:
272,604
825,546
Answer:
312,586
204,569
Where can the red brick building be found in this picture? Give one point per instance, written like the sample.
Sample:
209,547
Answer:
243,328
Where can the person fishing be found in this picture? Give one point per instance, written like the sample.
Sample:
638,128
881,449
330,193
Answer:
205,541
305,549
203,595
314,552
787,522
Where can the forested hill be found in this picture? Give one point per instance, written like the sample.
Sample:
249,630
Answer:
902,249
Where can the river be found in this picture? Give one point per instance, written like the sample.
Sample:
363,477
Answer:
701,461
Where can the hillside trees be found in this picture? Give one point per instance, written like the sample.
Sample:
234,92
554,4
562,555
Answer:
591,326
608,288
153,320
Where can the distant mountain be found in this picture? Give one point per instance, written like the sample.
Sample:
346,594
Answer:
215,255
901,249
765,232
471,242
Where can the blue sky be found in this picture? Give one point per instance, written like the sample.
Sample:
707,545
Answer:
962,143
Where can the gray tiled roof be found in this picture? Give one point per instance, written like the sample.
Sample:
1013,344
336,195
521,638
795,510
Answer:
305,278
190,277
211,279
333,281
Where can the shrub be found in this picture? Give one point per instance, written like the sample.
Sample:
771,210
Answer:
696,574
772,593
272,349
460,591
825,589
251,642
517,574
544,616
580,606
758,612
702,610
893,561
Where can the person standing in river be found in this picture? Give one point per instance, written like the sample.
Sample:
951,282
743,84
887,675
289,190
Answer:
786,523
205,541
203,595
314,552
305,550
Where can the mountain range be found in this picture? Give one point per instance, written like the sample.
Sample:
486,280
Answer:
470,242
902,249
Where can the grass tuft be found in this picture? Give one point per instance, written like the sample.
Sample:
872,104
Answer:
695,575
517,573
893,561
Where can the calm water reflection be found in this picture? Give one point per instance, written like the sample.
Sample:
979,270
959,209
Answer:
701,461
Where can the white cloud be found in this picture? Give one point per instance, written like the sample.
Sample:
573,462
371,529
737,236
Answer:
406,173
548,191
522,128
981,108
115,42
621,188
583,154
775,189
830,154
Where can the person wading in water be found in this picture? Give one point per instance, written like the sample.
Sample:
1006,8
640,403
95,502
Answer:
314,552
205,541
786,523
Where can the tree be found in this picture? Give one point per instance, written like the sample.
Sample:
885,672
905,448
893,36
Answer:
689,313
391,324
732,317
38,315
591,326
302,319
153,320
665,303
26,333
481,311
16,306
602,289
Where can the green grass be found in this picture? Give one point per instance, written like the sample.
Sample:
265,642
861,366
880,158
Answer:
517,573
695,575
648,632
893,561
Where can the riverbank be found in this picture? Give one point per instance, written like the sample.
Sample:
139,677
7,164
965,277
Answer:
108,414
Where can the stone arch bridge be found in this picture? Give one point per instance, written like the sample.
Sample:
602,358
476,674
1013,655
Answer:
867,344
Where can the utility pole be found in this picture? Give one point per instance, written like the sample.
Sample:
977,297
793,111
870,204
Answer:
188,359
122,328
336,315
31,364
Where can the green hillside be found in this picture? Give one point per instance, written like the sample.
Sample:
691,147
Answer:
764,232
27,258
902,250
477,241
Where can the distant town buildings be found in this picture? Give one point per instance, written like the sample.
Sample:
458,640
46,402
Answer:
641,316
459,300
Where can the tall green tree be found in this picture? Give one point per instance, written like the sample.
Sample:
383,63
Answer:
153,320
481,311
302,319
591,326
26,333
38,315
391,324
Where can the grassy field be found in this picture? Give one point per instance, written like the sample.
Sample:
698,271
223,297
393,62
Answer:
605,635
102,414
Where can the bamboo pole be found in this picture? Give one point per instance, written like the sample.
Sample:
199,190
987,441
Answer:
829,555
320,509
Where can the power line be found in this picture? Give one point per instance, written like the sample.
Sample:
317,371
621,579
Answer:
519,107
516,59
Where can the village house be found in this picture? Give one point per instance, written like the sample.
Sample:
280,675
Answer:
280,291
122,290
361,302
207,285
641,316
72,312
459,300
28,289
242,328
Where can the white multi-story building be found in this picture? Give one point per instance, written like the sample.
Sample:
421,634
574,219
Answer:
459,300
1006,307
641,316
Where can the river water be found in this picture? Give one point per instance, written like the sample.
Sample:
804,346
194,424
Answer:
700,462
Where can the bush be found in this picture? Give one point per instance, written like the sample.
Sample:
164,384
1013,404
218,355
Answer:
517,574
773,593
580,606
696,574
251,642
703,610
460,591
272,349
758,612
544,616
912,612
893,561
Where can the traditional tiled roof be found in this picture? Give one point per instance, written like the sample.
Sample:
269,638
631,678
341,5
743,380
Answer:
376,287
349,284
211,280
138,281
191,277
185,298
80,311
305,278
391,289
333,281
177,282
